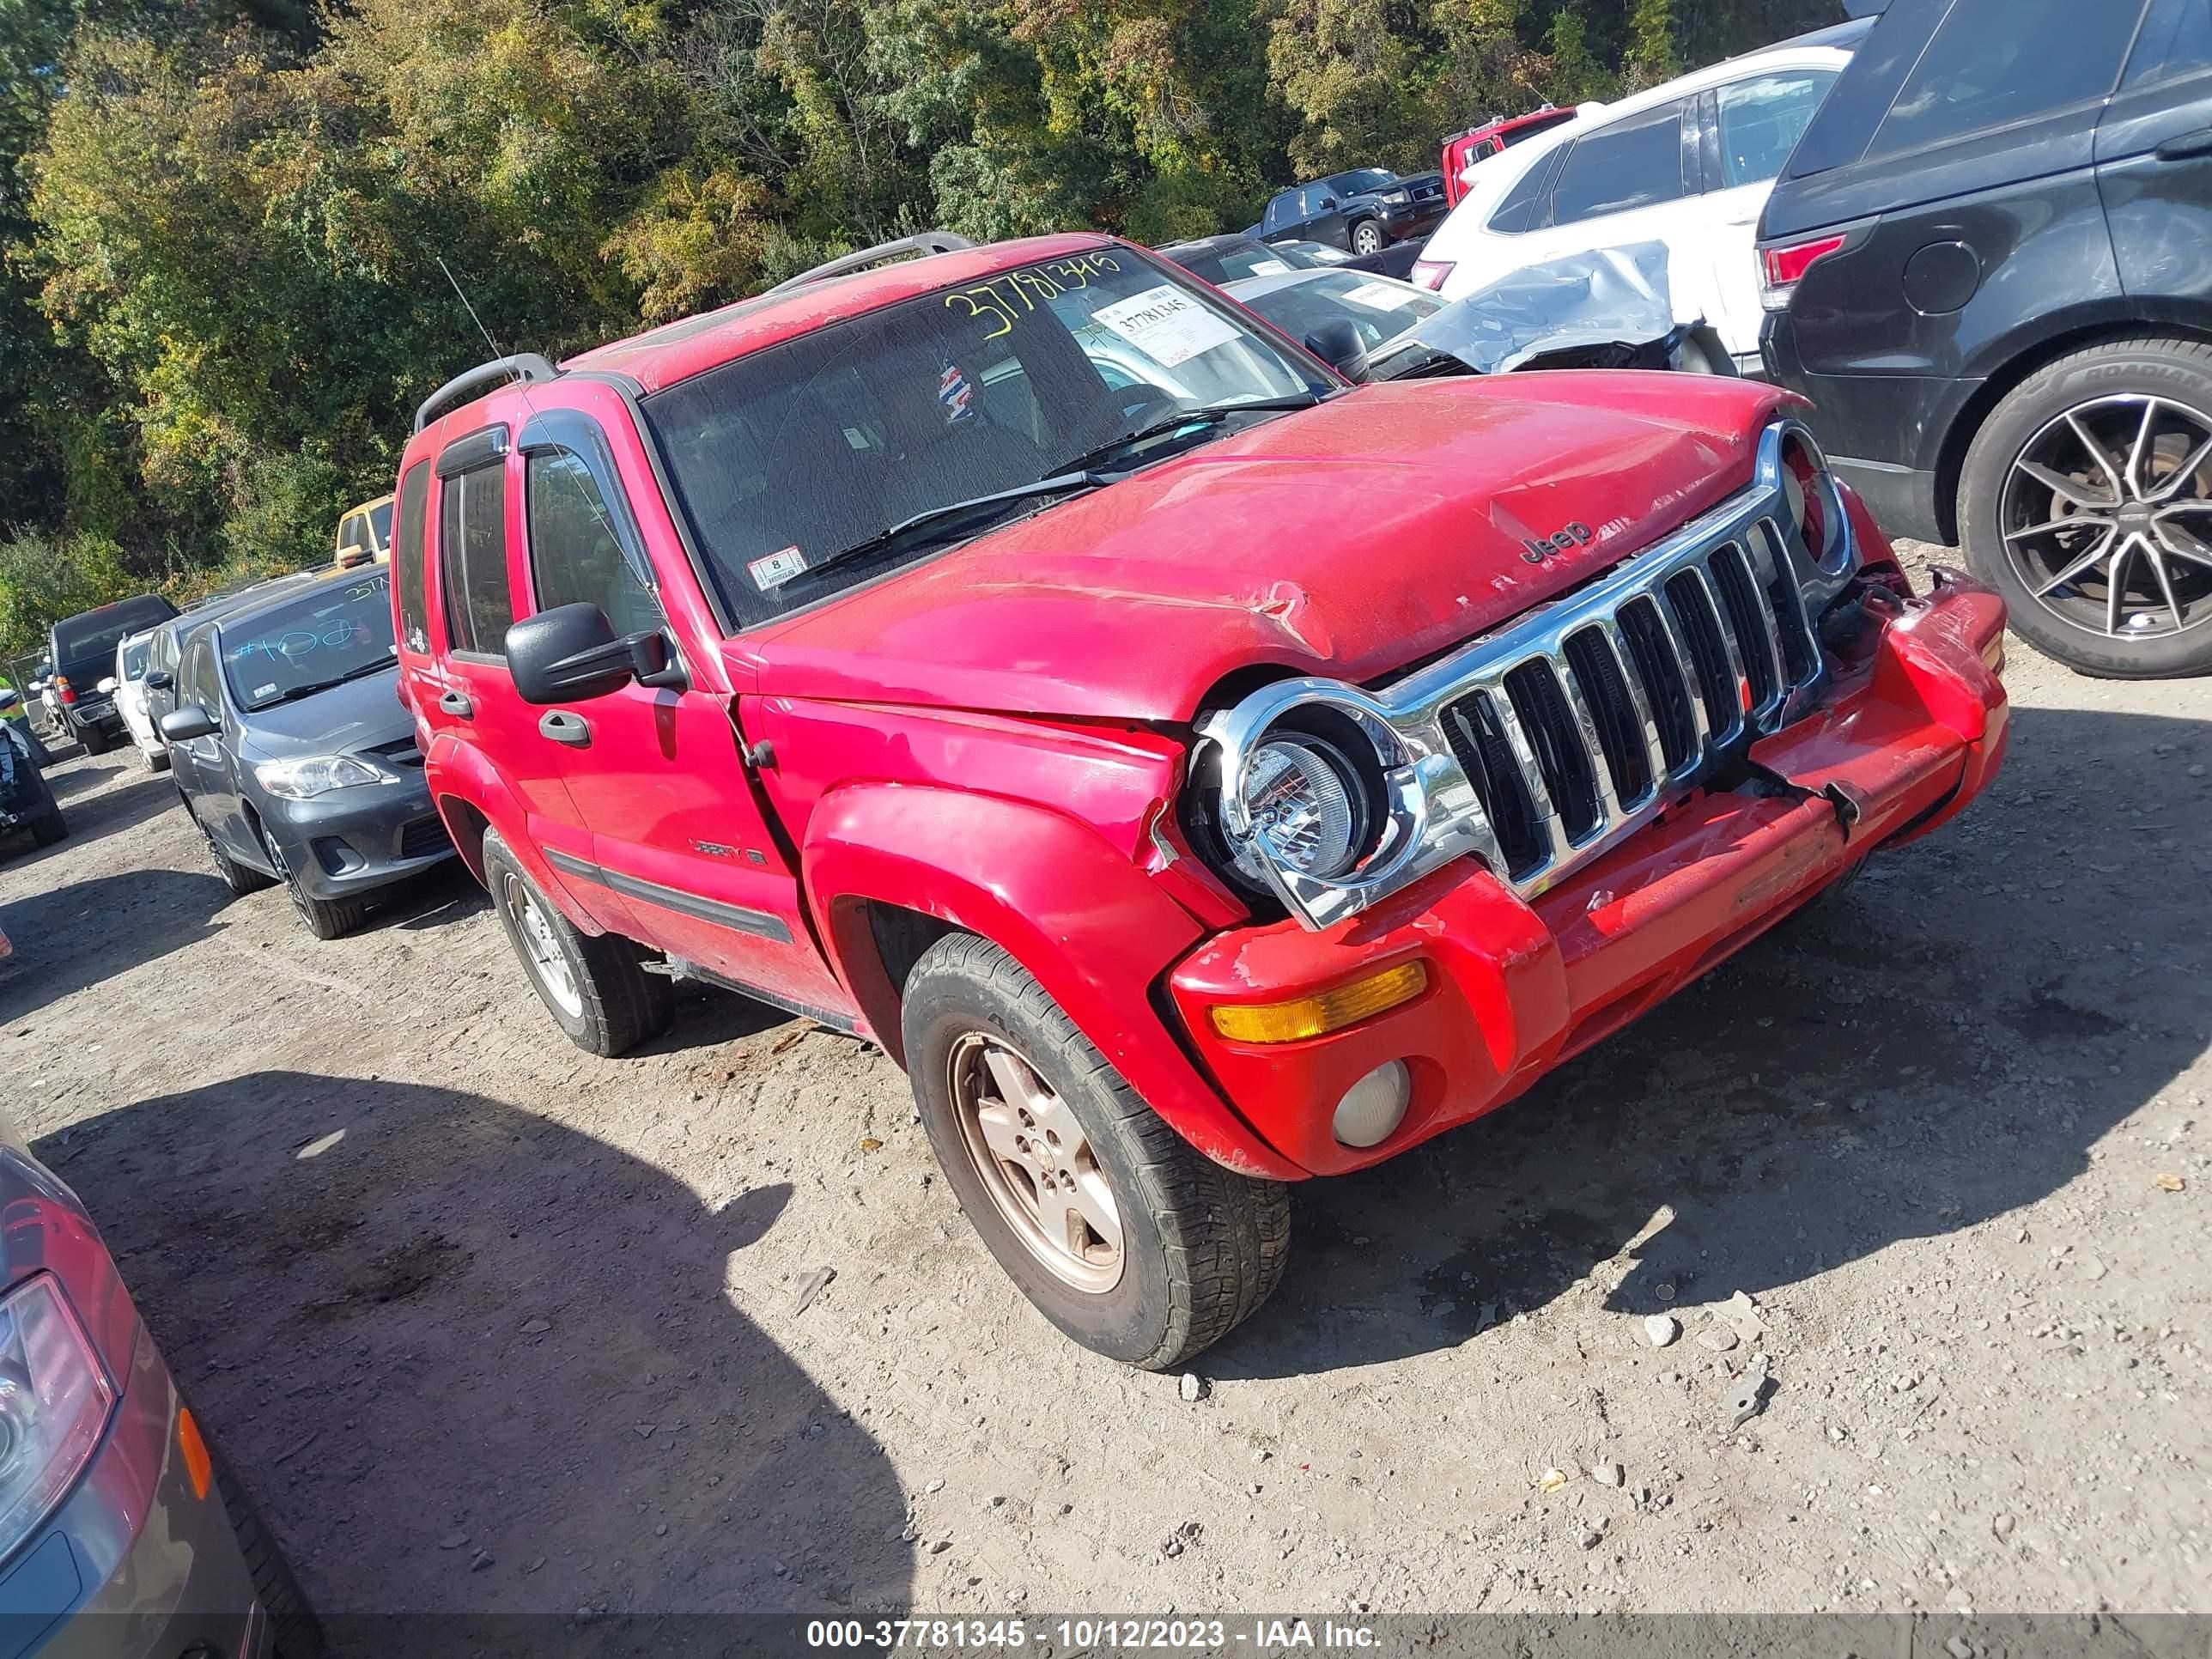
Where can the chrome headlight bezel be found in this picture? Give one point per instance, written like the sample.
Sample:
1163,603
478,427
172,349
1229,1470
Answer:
1426,810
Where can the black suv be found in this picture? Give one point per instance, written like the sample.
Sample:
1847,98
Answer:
1362,211
82,650
1994,245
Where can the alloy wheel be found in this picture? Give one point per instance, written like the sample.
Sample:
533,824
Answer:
2104,513
547,960
284,873
1037,1163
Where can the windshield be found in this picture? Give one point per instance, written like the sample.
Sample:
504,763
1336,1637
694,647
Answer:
1378,307
131,660
1225,263
97,633
1366,178
785,459
331,634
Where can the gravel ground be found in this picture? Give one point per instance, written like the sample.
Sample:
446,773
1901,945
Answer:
489,1324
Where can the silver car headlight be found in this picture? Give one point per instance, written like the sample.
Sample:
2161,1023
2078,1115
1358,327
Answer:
55,1400
302,777
1306,808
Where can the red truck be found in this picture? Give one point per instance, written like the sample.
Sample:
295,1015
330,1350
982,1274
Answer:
1463,149
1199,772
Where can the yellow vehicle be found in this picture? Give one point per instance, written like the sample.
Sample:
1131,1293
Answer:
365,535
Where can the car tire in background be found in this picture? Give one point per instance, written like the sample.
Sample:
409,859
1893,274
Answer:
596,988
235,875
1366,238
1051,1154
155,762
96,741
325,918
50,826
2111,448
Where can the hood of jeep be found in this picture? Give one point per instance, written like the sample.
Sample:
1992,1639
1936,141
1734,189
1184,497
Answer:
1348,540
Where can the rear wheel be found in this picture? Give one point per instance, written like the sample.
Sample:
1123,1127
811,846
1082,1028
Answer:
1120,1233
50,826
96,741
2085,500
325,918
596,988
157,760
1366,237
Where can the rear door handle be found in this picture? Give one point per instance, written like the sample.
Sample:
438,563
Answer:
453,703
2183,145
563,726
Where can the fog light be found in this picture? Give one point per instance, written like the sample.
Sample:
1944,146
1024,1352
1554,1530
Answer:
1373,1108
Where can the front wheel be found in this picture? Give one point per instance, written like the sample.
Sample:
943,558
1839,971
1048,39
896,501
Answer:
324,918
1366,237
240,878
2085,500
596,988
1124,1237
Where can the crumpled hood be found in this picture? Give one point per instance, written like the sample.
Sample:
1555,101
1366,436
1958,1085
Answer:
1348,540
359,714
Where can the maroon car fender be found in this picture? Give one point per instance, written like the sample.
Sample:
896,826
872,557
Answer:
462,780
1094,929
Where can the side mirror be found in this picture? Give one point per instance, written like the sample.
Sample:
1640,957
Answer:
106,685
183,725
1337,343
352,554
158,680
570,654
1327,203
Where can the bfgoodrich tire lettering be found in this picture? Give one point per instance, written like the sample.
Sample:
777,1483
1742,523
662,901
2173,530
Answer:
605,1001
1200,1248
2002,509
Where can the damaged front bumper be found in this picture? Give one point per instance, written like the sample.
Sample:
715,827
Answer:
1514,986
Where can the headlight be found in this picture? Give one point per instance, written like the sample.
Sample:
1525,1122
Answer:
1397,197
1305,805
55,1399
307,775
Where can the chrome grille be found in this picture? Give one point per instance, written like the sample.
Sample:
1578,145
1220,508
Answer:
1539,747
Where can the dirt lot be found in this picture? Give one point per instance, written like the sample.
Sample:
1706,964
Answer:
530,1335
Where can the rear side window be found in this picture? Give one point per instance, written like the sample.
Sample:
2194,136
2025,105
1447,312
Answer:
575,555
1761,120
2176,40
1995,62
408,575
472,559
380,525
1636,163
1518,212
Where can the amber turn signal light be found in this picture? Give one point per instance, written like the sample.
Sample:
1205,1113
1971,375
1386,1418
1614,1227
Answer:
1317,1016
194,1451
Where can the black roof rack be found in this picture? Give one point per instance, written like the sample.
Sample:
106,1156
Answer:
525,365
917,247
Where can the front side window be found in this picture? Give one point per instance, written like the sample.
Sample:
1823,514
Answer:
197,676
334,632
1635,163
407,559
575,556
1283,209
472,559
1761,120
1378,308
810,466
1995,62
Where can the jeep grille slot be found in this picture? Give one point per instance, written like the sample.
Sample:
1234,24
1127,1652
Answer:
1674,708
1562,751
1750,622
1477,739
1720,680
1623,724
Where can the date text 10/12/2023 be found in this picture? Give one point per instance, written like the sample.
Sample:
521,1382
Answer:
1207,1636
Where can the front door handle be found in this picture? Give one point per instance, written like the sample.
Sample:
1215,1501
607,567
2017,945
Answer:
453,703
563,726
2183,145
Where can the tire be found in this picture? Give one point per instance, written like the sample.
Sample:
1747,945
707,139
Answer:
235,875
157,762
1366,238
2105,386
324,918
96,741
609,1004
50,826
1201,1247
294,1632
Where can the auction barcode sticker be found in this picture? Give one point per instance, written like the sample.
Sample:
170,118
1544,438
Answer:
1166,325
1378,296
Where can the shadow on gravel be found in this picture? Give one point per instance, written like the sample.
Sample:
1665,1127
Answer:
76,936
69,780
463,1329
1921,1056
110,812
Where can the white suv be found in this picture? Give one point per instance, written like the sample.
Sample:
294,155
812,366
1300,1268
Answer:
1689,163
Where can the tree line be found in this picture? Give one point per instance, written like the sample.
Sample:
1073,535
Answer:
220,220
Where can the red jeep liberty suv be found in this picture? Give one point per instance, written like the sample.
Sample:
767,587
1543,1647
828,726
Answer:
1201,773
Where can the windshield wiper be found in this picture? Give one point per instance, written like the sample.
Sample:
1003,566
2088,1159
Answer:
1206,414
294,693
1060,483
